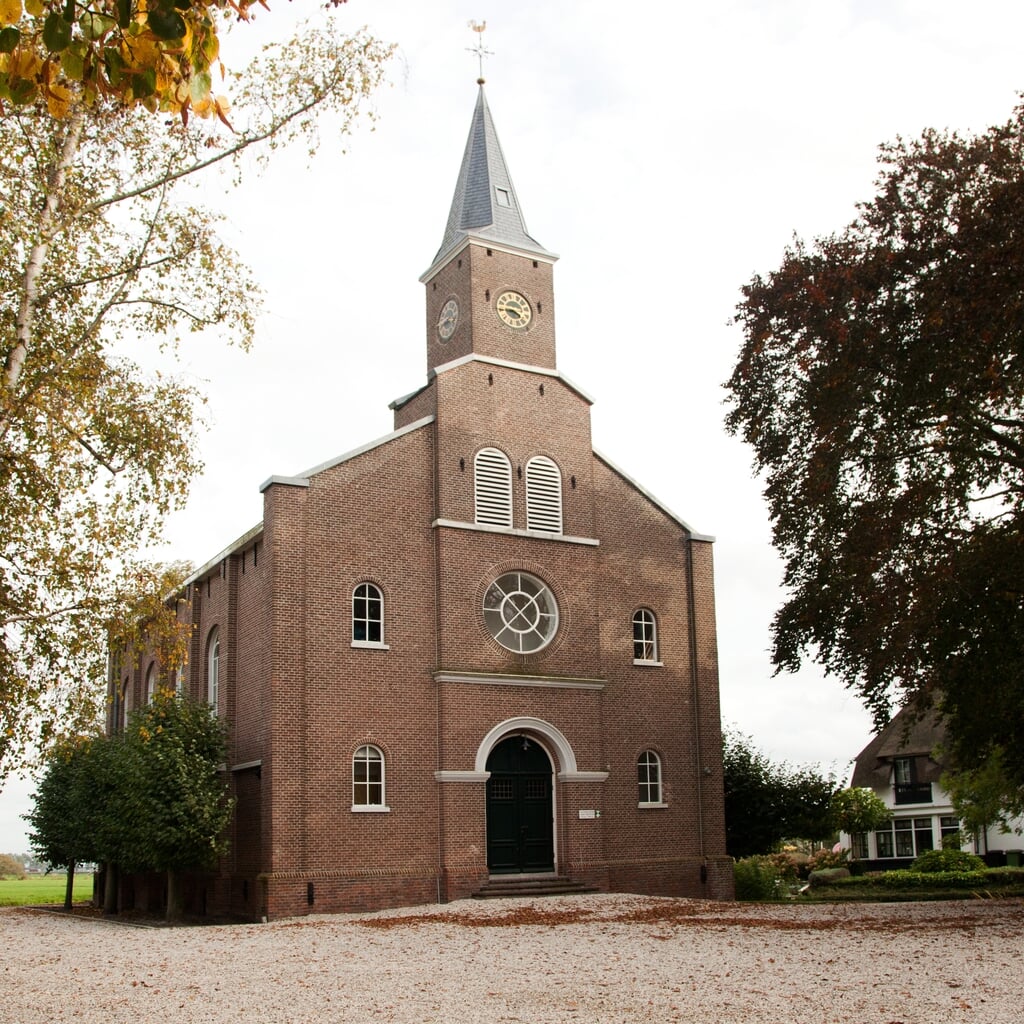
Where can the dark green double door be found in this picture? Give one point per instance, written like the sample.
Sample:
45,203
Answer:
520,836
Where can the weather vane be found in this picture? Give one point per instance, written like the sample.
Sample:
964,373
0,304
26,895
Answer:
479,49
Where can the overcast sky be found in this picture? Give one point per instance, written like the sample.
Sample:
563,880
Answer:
667,152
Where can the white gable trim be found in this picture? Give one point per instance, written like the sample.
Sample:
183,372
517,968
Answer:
543,371
653,500
302,480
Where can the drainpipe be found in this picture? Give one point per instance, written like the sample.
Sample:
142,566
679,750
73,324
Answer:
696,708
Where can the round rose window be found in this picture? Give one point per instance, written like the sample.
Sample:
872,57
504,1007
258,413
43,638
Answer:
520,612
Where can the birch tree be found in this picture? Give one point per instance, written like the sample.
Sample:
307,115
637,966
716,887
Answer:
104,259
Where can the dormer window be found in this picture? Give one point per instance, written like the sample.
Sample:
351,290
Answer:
502,196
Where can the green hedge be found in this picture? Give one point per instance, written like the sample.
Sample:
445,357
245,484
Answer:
911,881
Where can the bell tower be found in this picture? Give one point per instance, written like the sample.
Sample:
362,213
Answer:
489,288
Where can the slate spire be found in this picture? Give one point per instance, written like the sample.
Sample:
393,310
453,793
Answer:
485,205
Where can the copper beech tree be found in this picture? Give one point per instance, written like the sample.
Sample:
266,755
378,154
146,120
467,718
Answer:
105,261
880,386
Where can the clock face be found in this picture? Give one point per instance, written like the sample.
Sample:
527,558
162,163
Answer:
448,319
513,310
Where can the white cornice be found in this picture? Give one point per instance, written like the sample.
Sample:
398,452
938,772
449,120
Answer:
461,243
507,679
457,776
583,776
456,524
543,371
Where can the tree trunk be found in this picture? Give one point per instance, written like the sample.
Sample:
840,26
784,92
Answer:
110,890
70,887
175,901
49,225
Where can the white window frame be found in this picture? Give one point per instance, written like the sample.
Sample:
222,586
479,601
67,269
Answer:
543,495
372,592
520,612
213,669
492,488
151,683
646,644
363,787
651,787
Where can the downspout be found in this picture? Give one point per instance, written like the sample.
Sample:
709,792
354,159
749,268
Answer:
696,709
437,647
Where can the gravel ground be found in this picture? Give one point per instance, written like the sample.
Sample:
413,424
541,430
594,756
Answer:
593,959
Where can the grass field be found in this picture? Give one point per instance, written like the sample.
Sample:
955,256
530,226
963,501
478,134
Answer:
23,892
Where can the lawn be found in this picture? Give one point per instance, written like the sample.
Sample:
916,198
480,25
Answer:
21,892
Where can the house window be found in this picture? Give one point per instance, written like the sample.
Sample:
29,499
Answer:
368,780
213,668
520,612
903,771
367,616
543,495
924,837
859,845
648,777
151,682
645,637
907,790
949,832
493,488
905,837
179,681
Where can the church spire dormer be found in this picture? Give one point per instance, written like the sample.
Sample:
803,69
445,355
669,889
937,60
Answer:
485,205
489,288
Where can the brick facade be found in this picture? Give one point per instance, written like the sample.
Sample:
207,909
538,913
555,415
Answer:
438,693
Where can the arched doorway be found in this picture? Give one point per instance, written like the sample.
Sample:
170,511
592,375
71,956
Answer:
520,826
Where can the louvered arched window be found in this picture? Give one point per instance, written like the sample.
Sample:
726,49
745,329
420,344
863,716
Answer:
543,495
493,487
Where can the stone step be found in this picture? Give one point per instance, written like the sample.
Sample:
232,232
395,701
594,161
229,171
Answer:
502,888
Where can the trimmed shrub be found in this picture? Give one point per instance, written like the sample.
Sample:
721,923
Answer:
758,878
932,879
947,860
827,876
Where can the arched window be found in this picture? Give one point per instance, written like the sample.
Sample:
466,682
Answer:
645,636
492,474
543,495
213,668
179,681
151,683
367,616
648,777
368,780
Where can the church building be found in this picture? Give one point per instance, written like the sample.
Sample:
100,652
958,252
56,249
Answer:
470,654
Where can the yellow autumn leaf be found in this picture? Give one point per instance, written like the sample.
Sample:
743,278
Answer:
24,64
34,7
10,12
140,52
58,101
